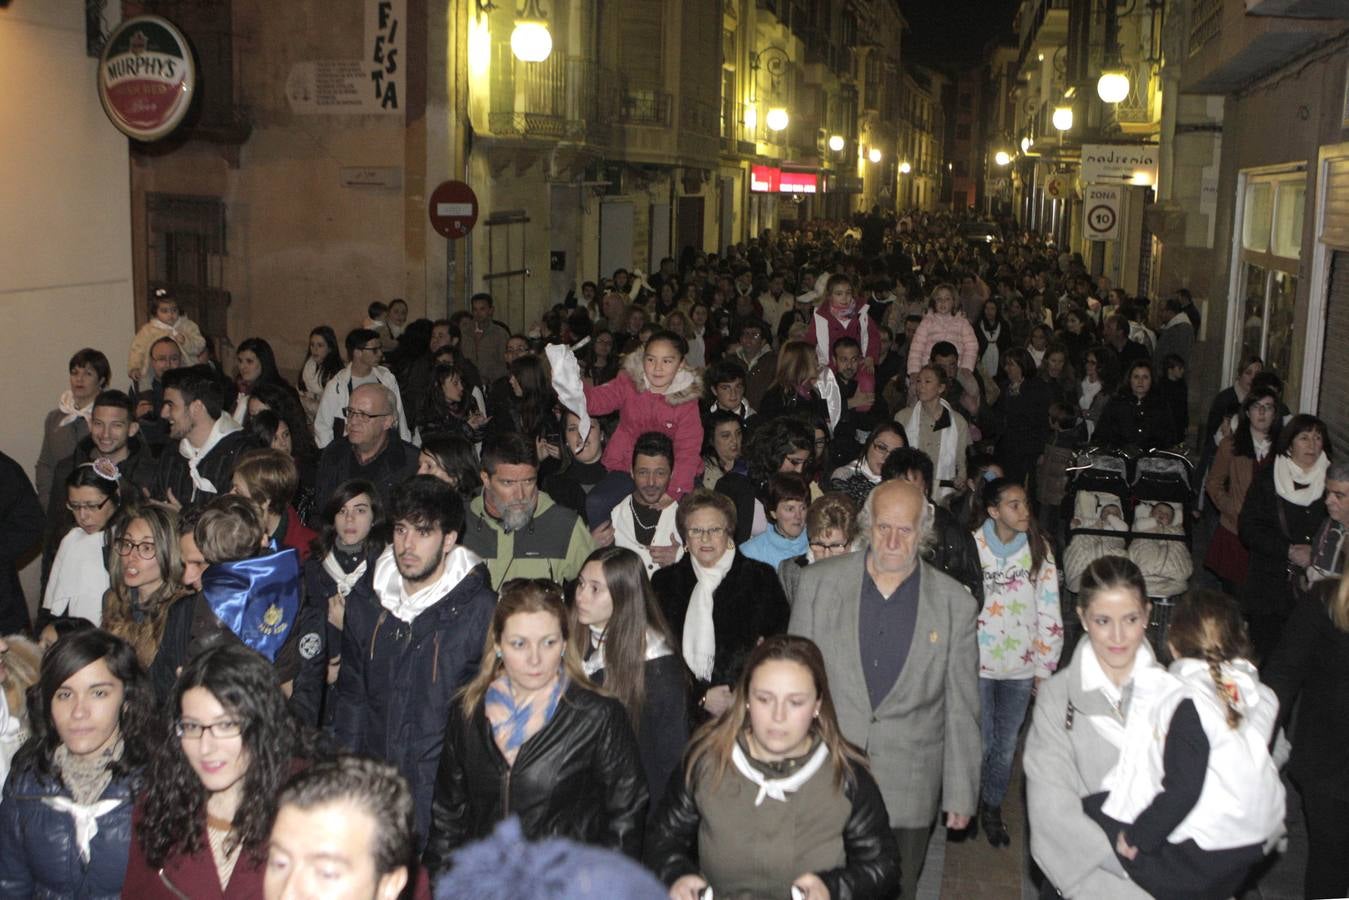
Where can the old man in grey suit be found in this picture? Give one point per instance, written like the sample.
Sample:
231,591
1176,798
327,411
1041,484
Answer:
899,642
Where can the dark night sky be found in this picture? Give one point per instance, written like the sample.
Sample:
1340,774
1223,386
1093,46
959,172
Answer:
953,32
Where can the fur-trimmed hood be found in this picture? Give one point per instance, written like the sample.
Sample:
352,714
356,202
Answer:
687,386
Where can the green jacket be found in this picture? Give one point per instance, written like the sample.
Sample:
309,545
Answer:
553,545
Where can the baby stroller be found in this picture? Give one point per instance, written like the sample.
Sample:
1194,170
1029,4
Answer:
1096,505
1159,533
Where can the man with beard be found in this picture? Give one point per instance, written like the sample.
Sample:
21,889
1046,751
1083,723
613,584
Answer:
642,522
516,528
413,637
204,441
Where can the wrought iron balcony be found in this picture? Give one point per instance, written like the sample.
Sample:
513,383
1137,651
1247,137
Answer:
569,98
645,106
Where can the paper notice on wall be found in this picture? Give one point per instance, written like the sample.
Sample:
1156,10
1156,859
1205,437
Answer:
372,84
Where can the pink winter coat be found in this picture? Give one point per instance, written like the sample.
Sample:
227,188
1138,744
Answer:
936,328
674,414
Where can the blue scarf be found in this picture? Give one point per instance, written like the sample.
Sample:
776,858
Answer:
258,599
772,546
516,727
1000,550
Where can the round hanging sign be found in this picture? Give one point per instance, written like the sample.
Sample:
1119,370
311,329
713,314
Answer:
146,77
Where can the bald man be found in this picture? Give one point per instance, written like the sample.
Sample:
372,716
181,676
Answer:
371,448
898,639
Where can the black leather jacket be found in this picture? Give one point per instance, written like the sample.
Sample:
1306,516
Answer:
579,777
871,869
955,553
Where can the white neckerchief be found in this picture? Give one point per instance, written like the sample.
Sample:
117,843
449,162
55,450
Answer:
827,385
1288,474
78,577
1147,681
67,406
778,788
223,426
86,817
392,591
1089,391
312,377
822,331
991,355
656,647
345,580
700,635
1037,355
946,454
568,386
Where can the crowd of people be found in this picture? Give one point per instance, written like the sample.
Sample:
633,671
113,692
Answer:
747,569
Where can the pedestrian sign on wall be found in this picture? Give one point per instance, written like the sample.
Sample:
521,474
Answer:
1100,219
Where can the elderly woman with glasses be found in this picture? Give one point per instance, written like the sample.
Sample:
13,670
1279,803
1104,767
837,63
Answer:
717,601
831,527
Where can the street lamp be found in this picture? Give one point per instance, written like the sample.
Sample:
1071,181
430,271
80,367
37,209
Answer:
1026,144
874,154
836,143
1001,158
751,117
905,168
531,41
777,119
1063,118
1113,85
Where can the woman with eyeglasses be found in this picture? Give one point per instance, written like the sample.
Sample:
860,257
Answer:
831,528
719,603
65,821
532,738
145,575
79,573
201,827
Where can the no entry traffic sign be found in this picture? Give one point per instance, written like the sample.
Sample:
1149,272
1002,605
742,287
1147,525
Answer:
453,209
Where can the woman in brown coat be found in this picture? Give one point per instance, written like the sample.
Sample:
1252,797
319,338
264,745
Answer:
1239,456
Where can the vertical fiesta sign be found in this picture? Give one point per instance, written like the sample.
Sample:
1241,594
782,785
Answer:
384,41
146,77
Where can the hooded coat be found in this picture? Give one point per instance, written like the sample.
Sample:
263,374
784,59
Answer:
674,414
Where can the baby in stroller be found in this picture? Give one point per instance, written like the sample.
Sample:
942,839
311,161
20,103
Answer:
1093,512
1164,561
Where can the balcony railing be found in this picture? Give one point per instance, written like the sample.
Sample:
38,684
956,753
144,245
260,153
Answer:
1136,109
1206,18
698,116
642,106
562,97
1030,25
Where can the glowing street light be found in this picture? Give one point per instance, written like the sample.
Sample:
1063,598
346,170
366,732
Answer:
836,143
874,154
1063,118
1026,144
751,117
531,41
905,168
1113,85
777,119
1001,158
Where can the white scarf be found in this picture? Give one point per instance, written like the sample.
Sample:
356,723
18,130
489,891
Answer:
78,577
779,788
392,590
568,386
1261,446
991,353
67,406
345,580
1089,391
829,390
1146,682
700,635
86,817
946,454
656,647
223,426
1288,475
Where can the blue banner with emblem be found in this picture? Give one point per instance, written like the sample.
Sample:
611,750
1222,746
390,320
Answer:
258,599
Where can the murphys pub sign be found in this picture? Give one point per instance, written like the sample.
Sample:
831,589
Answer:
146,78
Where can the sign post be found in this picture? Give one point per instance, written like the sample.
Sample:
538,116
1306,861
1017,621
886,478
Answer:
1101,205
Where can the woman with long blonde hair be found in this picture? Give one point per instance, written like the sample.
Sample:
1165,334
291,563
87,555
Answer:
775,771
794,390
533,738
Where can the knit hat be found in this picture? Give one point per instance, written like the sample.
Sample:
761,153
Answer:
507,867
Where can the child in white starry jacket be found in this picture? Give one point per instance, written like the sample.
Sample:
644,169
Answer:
1020,631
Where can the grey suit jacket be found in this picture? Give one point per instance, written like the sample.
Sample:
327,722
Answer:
923,740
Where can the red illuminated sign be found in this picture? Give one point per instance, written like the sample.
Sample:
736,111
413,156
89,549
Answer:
772,180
